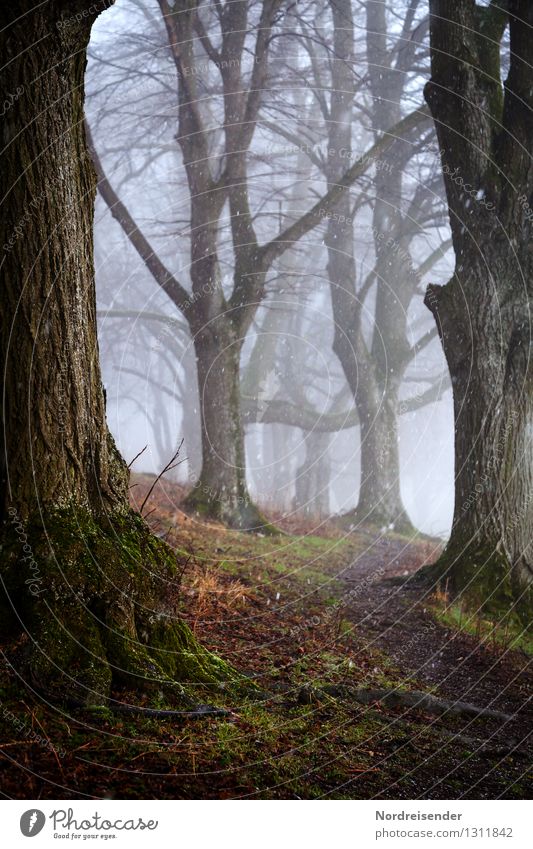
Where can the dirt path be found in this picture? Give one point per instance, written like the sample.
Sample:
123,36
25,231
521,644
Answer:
270,607
394,616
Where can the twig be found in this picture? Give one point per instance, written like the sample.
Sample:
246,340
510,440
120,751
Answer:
137,456
51,745
181,573
169,466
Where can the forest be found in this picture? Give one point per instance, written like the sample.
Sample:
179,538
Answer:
266,466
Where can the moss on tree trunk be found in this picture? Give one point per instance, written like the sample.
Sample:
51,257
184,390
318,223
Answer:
96,602
483,313
86,583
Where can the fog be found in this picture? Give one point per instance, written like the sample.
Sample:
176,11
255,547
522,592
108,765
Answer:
147,352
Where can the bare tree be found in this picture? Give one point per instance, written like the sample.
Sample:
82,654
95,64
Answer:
219,320
375,360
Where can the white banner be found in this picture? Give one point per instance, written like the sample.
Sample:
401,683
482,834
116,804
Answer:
267,825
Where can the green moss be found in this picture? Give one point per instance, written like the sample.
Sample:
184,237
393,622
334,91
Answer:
507,632
373,521
483,580
101,611
184,659
66,654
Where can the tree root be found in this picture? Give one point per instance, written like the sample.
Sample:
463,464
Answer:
482,748
410,699
244,516
104,613
483,580
199,712
361,517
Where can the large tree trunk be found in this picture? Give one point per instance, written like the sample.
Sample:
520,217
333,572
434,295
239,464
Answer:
484,312
83,576
489,556
221,492
53,415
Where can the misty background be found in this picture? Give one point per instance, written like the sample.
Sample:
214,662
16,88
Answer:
147,355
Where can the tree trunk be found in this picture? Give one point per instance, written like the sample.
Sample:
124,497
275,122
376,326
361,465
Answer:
83,576
53,415
489,556
312,481
380,456
221,492
380,500
483,313
374,392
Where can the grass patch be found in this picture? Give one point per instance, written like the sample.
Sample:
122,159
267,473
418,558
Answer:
504,634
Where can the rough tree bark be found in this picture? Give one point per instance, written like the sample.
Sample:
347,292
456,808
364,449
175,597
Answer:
484,312
83,578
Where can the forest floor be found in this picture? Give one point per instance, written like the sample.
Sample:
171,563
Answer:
323,622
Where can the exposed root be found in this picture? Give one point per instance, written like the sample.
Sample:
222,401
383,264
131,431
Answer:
104,612
410,699
361,517
484,580
200,712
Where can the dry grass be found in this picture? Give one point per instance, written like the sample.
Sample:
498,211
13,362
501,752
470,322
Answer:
211,592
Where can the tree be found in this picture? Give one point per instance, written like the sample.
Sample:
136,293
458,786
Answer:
483,313
218,324
220,313
84,579
375,367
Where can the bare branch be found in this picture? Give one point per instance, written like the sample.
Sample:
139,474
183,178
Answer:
169,466
163,277
318,213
